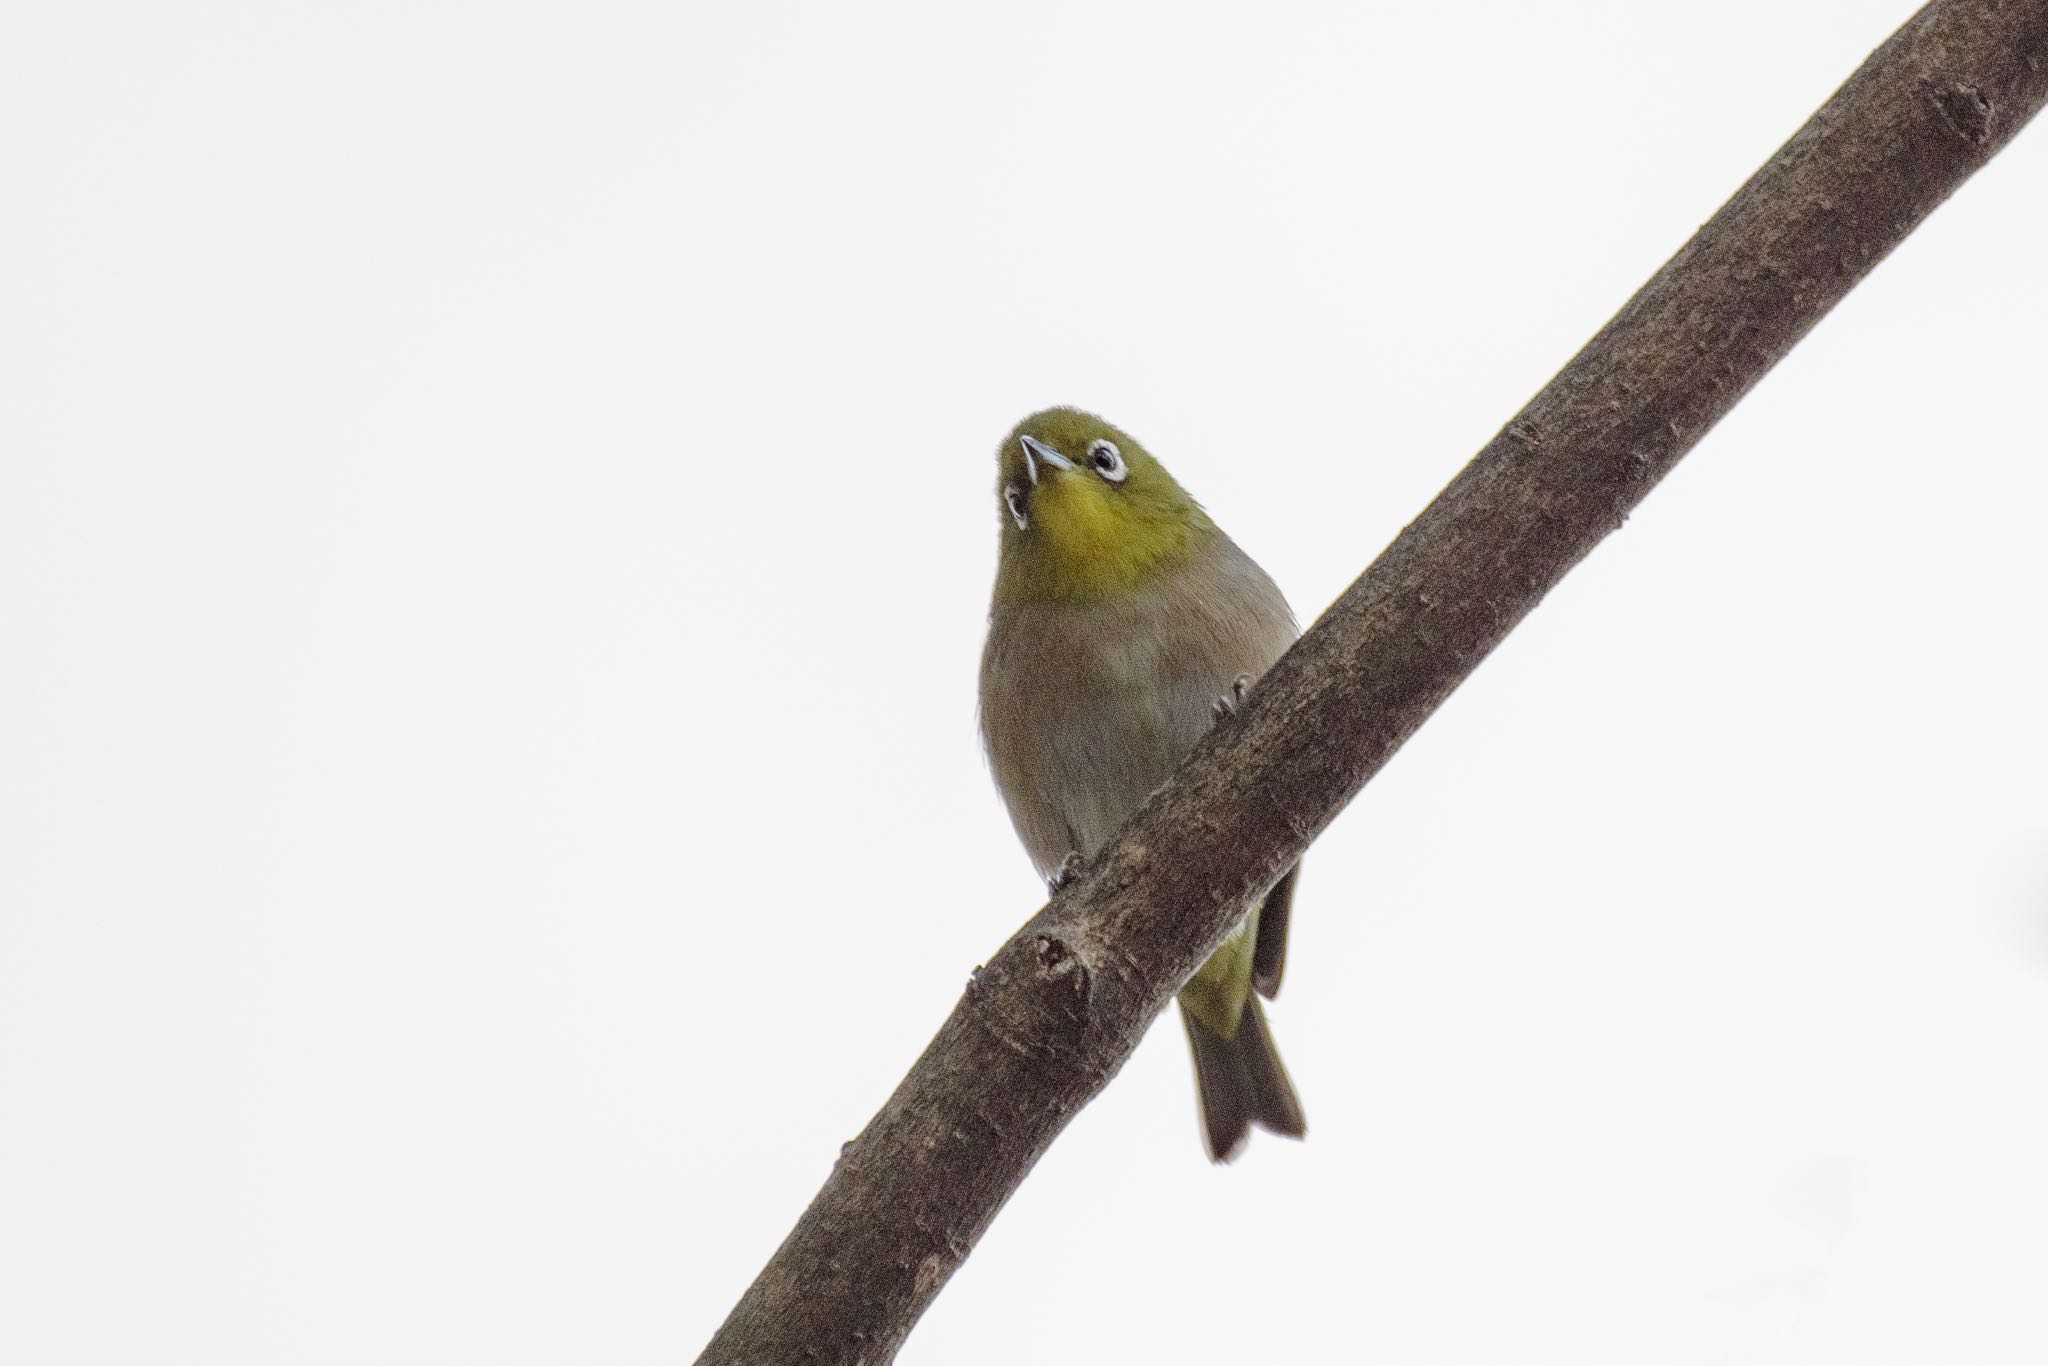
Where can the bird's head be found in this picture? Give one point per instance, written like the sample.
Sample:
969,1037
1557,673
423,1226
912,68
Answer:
1087,513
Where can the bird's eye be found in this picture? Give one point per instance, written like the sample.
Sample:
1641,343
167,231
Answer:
1107,460
1014,501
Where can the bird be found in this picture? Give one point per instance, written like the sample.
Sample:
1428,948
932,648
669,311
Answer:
1122,623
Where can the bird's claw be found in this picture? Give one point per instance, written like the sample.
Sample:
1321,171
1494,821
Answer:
1227,704
1069,869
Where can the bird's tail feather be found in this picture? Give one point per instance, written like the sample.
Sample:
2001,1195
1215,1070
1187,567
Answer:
1241,1082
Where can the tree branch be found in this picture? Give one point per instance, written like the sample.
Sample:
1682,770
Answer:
1053,1016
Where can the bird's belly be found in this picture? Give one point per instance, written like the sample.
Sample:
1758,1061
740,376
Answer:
1087,709
1101,764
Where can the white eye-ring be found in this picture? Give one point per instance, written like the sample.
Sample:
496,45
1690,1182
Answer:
1107,460
1014,501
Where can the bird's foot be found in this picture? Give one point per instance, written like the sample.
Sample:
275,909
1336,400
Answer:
1069,869
1227,704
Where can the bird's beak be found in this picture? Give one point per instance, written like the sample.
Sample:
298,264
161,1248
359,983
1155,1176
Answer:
1035,451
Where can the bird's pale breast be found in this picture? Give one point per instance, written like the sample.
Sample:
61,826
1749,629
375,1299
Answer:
1086,708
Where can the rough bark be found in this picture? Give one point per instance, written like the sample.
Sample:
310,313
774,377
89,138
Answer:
1054,1014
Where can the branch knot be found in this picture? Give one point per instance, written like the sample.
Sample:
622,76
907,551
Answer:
1964,109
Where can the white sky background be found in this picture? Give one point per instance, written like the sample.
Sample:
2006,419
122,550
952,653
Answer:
496,527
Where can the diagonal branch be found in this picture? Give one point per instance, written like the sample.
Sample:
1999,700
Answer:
1052,1017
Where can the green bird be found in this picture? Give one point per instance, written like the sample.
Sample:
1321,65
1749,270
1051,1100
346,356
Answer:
1123,623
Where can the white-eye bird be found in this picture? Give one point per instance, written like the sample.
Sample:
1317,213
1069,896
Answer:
1122,619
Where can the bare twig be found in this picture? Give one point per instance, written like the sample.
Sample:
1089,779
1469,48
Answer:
1059,1008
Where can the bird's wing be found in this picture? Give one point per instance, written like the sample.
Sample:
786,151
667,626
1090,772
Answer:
1269,952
